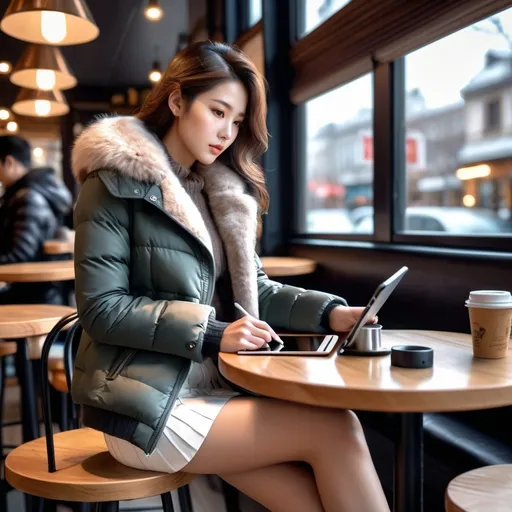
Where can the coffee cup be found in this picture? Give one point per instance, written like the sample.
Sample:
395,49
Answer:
490,316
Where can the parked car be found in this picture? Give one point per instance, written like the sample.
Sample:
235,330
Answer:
329,220
447,219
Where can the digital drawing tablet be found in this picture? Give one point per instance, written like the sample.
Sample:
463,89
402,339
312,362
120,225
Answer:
379,298
319,345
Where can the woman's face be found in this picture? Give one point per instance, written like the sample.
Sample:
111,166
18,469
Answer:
210,124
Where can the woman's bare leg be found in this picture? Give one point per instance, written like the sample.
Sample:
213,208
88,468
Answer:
287,487
254,433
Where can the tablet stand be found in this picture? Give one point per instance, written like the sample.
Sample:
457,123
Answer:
367,342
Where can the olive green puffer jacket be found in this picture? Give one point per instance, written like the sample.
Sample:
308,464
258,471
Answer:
145,277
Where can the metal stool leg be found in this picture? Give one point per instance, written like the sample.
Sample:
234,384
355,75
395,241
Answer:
3,483
107,506
184,498
167,505
27,391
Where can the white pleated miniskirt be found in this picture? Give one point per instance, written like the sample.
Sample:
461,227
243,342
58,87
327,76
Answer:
201,399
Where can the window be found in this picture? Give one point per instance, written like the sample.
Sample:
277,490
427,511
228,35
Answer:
338,192
255,12
493,116
458,151
317,11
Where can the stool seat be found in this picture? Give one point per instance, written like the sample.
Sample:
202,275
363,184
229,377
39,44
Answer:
86,472
57,379
26,320
7,348
481,490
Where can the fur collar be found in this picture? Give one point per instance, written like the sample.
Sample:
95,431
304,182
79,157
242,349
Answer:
125,145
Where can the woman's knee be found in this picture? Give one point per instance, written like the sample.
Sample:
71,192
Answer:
345,430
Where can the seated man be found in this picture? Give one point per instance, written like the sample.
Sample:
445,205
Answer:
32,211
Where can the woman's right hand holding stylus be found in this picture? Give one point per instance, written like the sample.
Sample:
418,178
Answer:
247,333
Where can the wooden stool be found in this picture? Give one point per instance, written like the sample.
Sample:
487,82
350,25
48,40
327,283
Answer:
86,472
6,349
57,379
487,489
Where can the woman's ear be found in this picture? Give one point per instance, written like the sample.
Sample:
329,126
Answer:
176,103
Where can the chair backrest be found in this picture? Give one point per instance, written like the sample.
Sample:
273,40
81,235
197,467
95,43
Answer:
71,343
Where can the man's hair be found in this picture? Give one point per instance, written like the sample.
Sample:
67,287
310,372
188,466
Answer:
15,146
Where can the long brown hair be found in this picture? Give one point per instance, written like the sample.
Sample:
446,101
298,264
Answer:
197,69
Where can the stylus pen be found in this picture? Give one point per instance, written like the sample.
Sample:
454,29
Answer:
245,313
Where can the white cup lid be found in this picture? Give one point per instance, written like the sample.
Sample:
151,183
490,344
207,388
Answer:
490,299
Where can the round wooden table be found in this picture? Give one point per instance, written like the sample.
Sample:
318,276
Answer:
276,266
27,320
55,247
39,271
457,382
19,322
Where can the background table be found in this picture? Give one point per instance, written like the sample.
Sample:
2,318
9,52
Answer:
40,271
276,266
56,247
21,322
457,382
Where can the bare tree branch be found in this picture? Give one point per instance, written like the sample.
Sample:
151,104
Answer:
496,29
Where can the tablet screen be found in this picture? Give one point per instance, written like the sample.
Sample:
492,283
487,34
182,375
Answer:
296,343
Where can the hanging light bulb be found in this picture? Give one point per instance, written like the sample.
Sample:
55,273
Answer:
42,107
4,114
12,126
45,79
5,67
53,26
155,74
59,22
153,11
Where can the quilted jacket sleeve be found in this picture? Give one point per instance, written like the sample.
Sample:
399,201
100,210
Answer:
292,308
106,309
29,232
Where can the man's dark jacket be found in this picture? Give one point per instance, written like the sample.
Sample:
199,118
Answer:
32,212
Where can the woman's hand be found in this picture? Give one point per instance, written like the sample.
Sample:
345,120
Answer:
343,318
248,333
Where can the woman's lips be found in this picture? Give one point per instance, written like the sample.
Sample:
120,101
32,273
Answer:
215,149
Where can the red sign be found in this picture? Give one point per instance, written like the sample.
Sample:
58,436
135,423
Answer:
411,149
368,148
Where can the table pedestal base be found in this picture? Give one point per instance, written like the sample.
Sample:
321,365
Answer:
408,494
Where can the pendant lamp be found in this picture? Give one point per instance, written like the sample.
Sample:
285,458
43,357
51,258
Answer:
37,103
42,67
57,22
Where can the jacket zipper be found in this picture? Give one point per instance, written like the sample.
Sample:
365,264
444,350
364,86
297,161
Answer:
172,399
120,364
208,295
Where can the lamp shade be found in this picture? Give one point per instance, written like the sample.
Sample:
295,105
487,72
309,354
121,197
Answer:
42,67
57,22
37,103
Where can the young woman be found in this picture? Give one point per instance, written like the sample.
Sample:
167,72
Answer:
166,226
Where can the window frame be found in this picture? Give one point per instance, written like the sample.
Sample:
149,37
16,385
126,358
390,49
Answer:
389,197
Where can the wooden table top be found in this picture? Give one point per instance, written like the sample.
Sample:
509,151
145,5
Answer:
481,490
456,382
275,266
26,320
58,247
39,271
